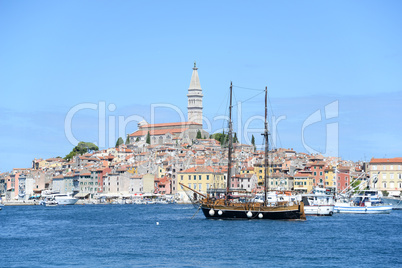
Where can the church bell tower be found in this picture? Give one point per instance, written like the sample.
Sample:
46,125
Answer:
194,108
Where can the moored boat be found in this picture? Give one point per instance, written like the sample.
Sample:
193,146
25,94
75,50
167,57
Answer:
365,202
50,203
318,204
65,199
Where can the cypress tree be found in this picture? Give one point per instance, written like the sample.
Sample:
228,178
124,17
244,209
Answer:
148,140
119,142
253,141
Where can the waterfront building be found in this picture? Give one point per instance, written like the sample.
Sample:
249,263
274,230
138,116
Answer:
343,178
202,179
386,174
330,181
259,171
12,186
246,182
136,184
280,182
163,185
116,183
148,182
317,167
66,184
303,182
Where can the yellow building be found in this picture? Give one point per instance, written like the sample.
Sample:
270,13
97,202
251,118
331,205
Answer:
386,174
260,172
202,179
303,182
330,181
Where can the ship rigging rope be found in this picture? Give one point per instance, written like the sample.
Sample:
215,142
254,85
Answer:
256,89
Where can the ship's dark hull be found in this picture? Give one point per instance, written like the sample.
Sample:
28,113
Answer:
244,214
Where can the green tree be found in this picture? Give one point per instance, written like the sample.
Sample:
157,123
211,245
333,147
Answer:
80,149
148,139
137,139
128,140
253,141
119,142
199,136
235,140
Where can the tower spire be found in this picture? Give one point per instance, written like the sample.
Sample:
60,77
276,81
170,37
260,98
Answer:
194,95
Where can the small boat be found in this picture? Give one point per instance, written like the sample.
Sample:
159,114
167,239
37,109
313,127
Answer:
50,203
318,205
65,199
365,202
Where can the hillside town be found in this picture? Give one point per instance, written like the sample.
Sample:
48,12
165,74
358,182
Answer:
157,157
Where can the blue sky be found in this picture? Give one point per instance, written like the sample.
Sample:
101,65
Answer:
55,55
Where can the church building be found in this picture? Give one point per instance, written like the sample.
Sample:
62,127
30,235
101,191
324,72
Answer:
181,132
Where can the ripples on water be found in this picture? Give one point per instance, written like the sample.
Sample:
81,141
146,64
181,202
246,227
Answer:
127,236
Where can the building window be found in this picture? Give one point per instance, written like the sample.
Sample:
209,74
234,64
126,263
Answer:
181,177
195,177
384,185
189,177
391,176
199,177
207,177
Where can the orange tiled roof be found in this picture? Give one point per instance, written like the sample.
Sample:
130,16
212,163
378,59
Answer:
169,124
386,160
157,132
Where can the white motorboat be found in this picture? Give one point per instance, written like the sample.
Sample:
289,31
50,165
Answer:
50,203
65,199
319,203
366,202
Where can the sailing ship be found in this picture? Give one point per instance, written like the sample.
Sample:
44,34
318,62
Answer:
232,208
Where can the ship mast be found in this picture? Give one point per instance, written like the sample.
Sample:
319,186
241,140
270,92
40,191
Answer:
266,170
230,147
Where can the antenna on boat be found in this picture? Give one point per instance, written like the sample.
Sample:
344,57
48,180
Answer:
230,146
266,171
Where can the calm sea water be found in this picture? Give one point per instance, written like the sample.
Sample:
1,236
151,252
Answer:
128,235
